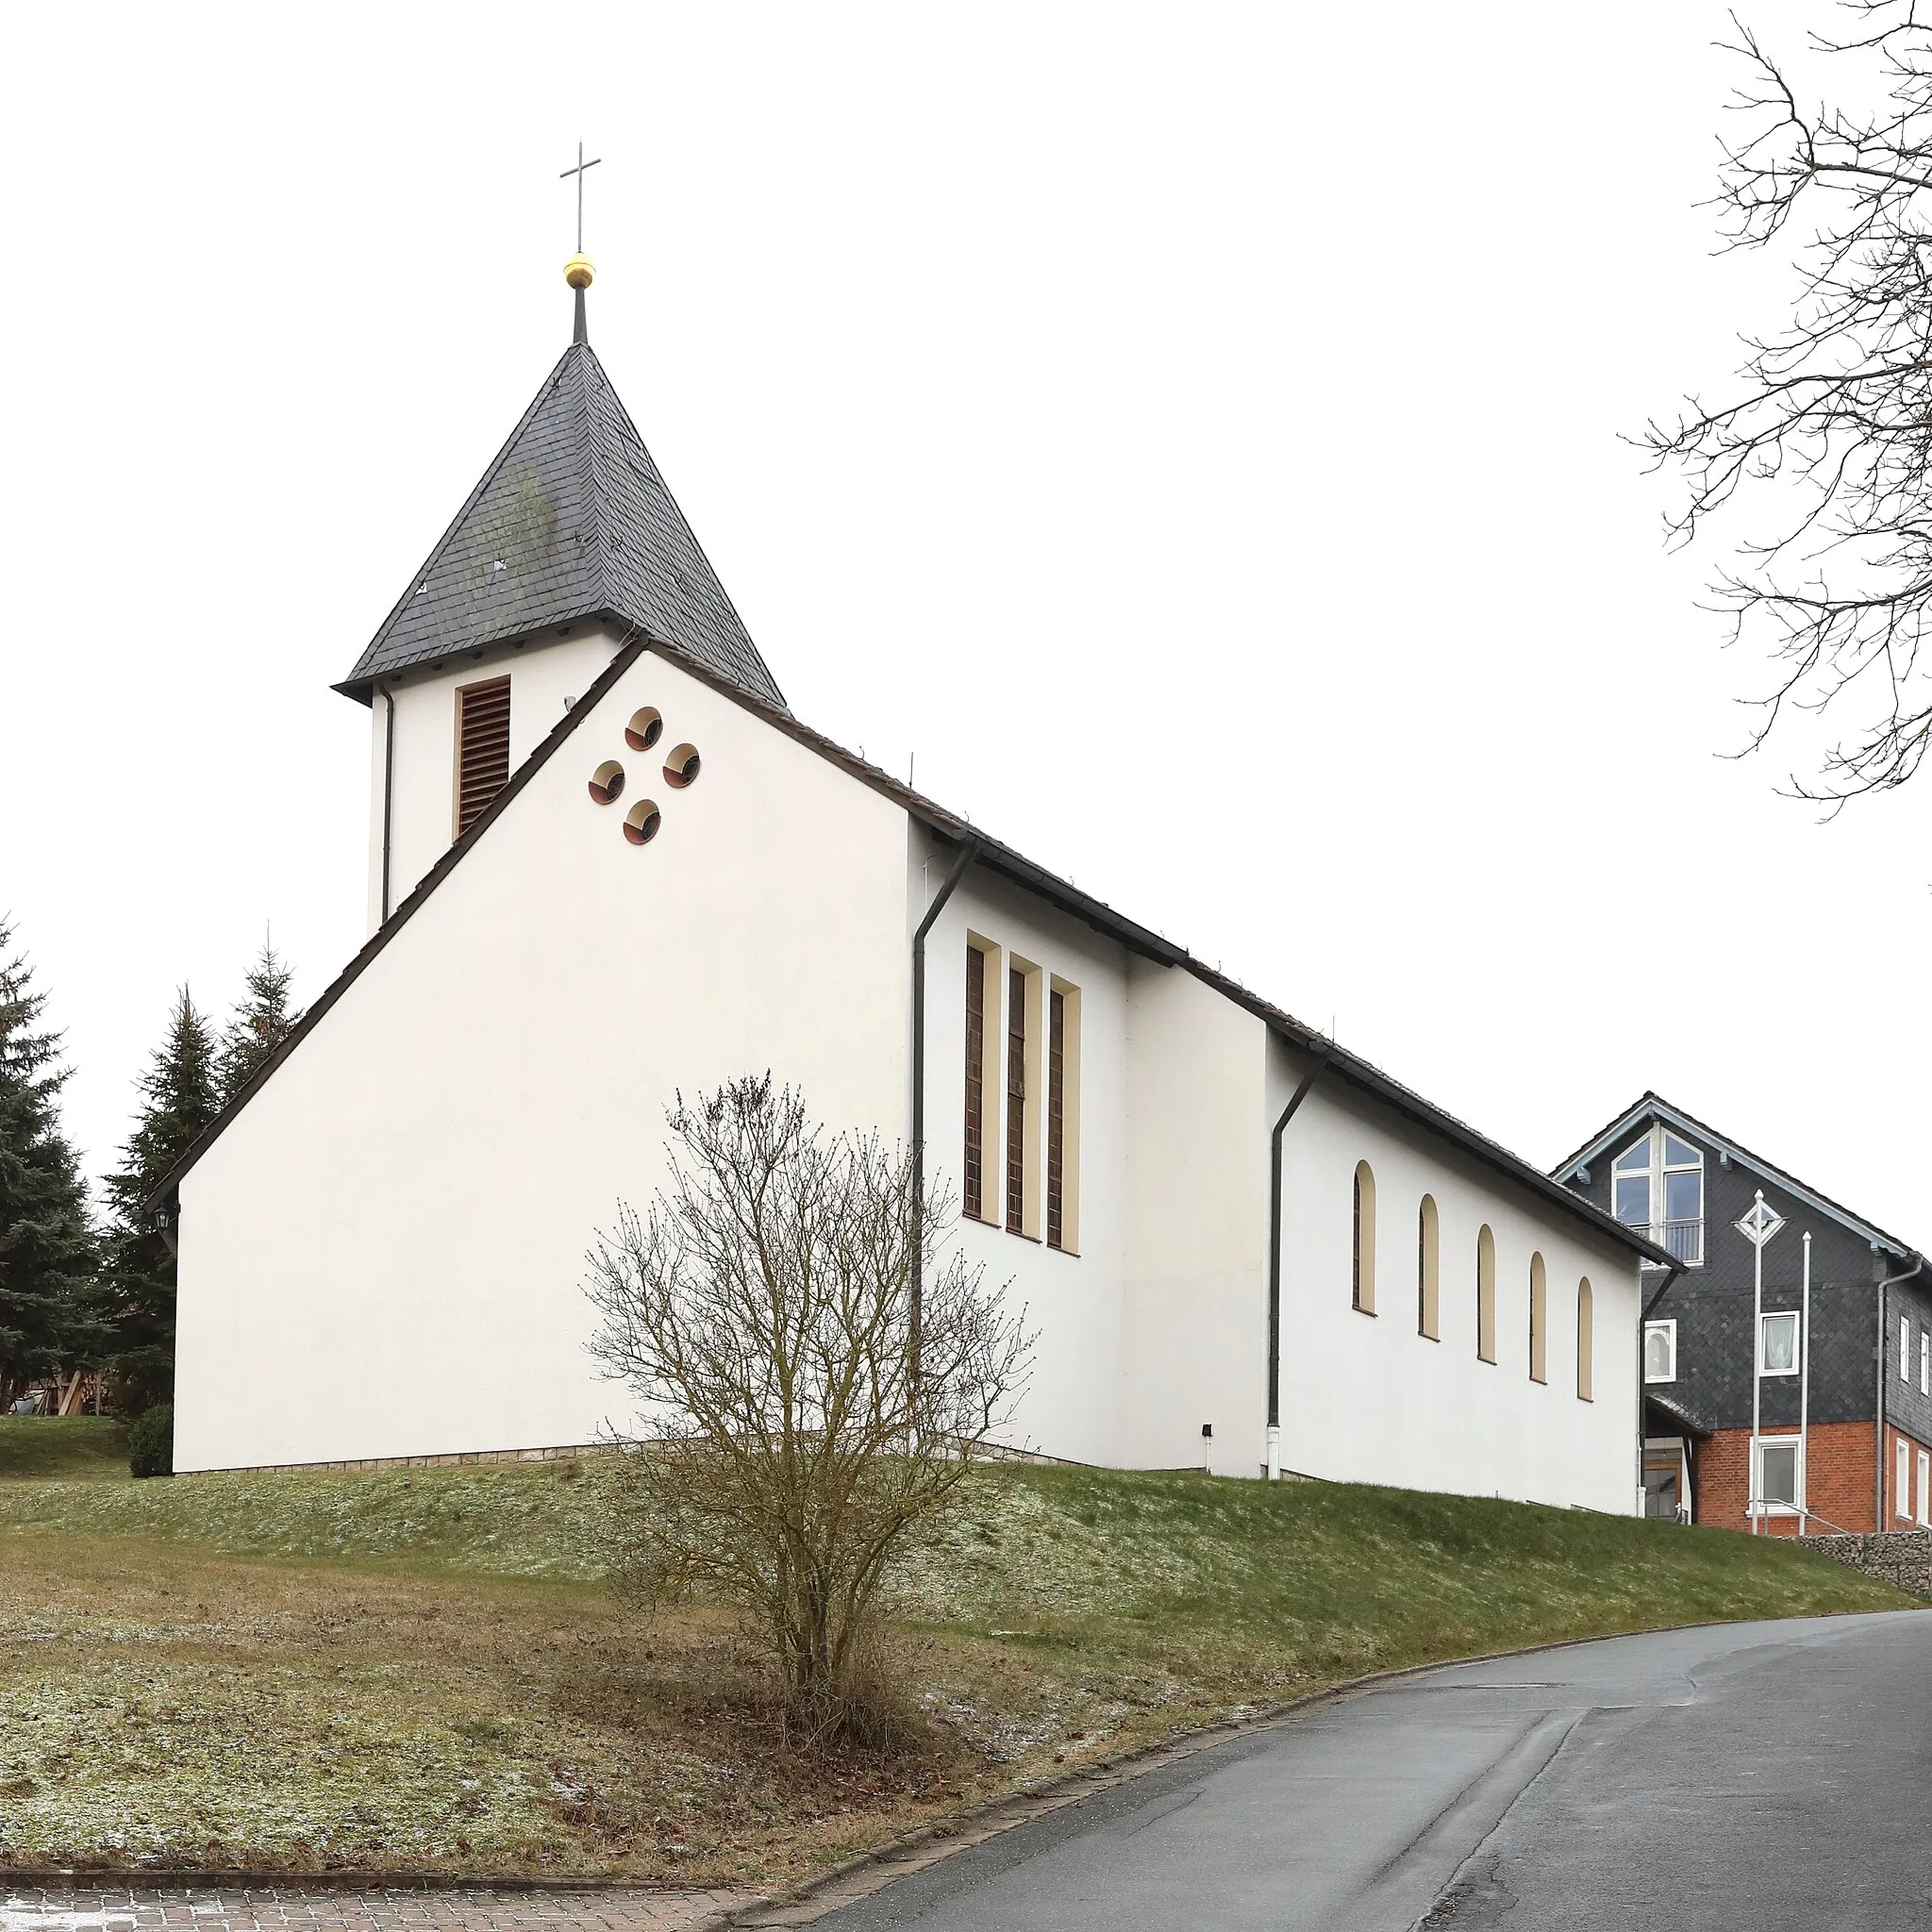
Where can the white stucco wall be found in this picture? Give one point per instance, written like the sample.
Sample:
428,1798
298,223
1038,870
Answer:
544,678
1072,1300
1367,1398
382,1254
1194,1290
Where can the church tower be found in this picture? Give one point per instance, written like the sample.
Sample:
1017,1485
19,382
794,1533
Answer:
569,548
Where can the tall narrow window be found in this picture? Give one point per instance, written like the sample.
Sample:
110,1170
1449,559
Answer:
1902,1480
1016,1101
1538,1319
1364,1260
482,748
973,1184
1905,1348
1485,1294
1926,1361
1063,1117
1428,1270
1586,1342
1056,1119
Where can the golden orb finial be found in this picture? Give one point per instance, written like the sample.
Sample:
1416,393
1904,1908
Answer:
578,272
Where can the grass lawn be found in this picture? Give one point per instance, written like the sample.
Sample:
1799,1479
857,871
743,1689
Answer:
78,1448
423,1669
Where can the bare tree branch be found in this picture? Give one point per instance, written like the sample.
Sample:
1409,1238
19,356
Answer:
761,1314
1836,409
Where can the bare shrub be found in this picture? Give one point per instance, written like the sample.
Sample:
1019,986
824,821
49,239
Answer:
817,1378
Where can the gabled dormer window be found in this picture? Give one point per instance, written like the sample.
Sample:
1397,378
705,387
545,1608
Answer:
1657,1184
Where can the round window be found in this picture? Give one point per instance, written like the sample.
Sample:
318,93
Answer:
642,820
644,729
681,767
607,781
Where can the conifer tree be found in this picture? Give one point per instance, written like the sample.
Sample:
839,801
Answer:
259,1024
47,1255
180,1096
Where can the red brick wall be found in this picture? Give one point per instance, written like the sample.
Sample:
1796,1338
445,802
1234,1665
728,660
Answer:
1840,1487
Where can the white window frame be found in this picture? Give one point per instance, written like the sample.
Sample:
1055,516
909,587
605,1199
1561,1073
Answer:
1764,1320
1797,1444
1901,1478
1669,1329
1659,1168
1905,1349
1926,1361
1925,1489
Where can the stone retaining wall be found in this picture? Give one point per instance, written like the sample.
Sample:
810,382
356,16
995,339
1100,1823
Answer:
1903,1557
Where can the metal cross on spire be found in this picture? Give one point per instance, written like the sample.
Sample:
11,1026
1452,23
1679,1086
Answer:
582,168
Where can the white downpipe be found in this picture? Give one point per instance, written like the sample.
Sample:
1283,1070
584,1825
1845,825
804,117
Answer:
1805,1399
1752,1483
1274,1452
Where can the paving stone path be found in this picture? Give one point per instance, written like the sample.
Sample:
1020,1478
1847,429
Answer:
269,1910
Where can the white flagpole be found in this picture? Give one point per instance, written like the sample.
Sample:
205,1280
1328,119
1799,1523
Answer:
1805,1398
1752,1486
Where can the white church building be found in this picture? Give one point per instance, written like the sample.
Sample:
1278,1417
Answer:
605,862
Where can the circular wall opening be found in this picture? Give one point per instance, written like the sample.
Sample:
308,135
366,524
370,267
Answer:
607,781
681,767
642,820
644,729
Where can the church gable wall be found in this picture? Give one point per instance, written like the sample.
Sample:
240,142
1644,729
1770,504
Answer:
1369,1398
382,1254
544,677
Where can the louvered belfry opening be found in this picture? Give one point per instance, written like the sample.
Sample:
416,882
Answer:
482,748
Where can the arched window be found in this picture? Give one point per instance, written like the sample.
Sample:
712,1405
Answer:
1486,1296
1539,1320
1428,1270
1364,1266
1586,1340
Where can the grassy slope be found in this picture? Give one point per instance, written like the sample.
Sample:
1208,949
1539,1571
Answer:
418,1667
78,1448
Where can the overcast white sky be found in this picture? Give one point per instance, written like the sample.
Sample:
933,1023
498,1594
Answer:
1194,431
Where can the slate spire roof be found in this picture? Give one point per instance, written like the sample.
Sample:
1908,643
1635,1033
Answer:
572,521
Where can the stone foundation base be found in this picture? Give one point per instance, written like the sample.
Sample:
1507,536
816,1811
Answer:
462,1460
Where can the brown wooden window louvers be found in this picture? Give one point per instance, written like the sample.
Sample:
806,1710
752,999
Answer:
482,748
1016,1101
1056,1119
973,1195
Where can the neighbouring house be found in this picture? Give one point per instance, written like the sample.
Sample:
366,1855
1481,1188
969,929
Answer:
1840,1372
607,863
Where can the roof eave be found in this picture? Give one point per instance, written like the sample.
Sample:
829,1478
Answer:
1654,1103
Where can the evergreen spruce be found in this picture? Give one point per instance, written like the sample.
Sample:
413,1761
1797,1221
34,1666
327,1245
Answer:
259,1024
180,1096
48,1321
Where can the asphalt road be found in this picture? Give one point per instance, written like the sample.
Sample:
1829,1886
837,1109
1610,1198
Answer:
1756,1778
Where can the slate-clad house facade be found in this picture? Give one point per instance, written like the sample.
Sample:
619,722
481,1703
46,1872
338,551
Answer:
1845,1408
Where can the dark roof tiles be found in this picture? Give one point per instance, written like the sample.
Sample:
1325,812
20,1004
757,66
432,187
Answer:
572,521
